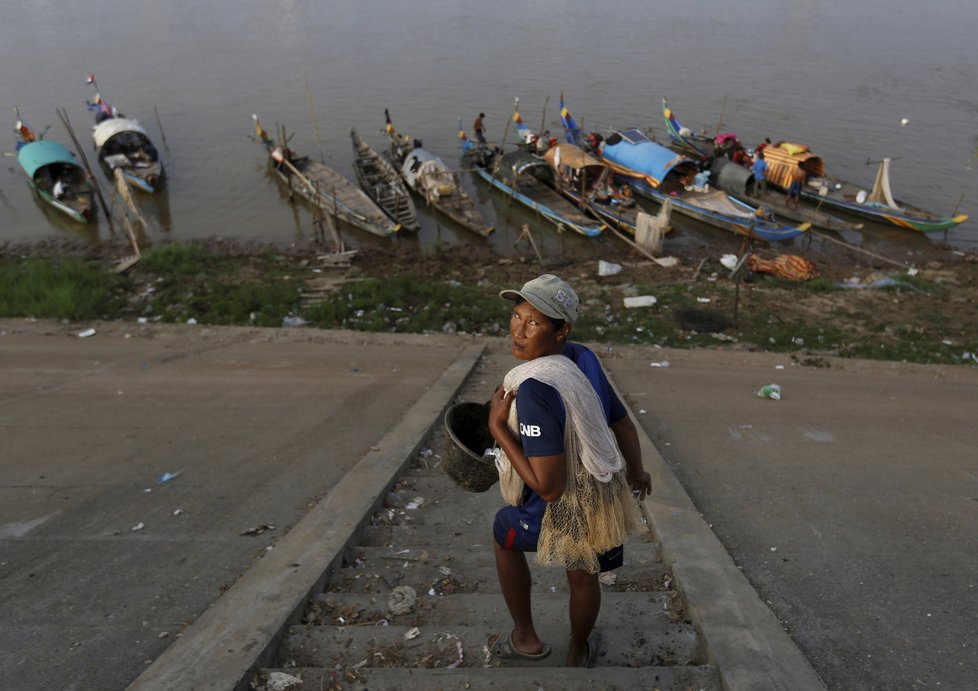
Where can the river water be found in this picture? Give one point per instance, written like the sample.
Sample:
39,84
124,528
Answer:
837,75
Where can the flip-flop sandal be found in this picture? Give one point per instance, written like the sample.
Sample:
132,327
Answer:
593,643
504,649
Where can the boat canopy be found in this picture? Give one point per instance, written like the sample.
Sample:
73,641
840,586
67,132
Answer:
631,150
571,156
426,172
36,155
785,157
105,130
521,161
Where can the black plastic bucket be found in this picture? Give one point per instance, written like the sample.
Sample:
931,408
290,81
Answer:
467,426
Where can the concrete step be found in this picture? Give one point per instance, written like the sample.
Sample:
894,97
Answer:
659,609
538,678
632,644
471,571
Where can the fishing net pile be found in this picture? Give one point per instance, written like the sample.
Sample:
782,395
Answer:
596,510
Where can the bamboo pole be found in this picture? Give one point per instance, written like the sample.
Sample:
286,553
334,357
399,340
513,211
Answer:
63,114
661,261
858,249
723,108
160,125
543,118
312,116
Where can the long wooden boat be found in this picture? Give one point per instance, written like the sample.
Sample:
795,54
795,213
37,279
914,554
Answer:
579,177
583,180
325,188
738,181
528,179
123,144
383,184
429,177
658,173
48,163
837,194
829,191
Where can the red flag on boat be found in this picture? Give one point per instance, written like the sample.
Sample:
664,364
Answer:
90,79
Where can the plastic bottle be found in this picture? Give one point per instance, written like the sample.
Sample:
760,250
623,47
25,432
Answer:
772,391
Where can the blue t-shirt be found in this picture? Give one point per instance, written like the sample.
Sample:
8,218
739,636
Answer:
760,169
541,411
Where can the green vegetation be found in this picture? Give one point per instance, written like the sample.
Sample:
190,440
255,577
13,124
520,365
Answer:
916,320
59,289
408,304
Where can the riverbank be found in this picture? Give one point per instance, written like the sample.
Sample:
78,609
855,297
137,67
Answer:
857,307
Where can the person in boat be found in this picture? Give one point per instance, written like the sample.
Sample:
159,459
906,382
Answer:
763,145
60,189
740,156
760,174
479,128
794,189
602,190
622,196
568,453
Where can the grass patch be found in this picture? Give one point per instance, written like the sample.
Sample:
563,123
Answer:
59,289
410,304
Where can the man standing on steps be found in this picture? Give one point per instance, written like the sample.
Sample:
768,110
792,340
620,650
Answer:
568,453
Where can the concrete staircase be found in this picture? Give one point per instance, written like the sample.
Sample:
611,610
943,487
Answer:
434,540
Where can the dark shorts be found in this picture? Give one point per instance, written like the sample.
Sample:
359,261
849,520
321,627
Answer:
513,532
794,190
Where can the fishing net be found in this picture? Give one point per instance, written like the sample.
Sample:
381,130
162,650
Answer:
596,511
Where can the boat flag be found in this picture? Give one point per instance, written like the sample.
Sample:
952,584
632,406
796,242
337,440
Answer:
262,134
98,104
90,79
571,128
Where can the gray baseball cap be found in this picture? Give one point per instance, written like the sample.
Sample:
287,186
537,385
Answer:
550,295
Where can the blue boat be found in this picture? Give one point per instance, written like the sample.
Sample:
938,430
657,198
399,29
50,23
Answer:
54,174
658,173
528,179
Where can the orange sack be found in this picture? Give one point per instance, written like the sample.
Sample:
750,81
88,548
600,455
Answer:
789,266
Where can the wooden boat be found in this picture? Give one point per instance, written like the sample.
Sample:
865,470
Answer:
738,180
827,190
583,179
658,173
47,163
580,177
325,188
123,144
529,180
383,184
429,177
837,194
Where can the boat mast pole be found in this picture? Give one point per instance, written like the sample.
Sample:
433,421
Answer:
312,116
63,114
723,109
543,118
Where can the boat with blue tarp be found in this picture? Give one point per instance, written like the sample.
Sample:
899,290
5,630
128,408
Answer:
54,174
659,173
